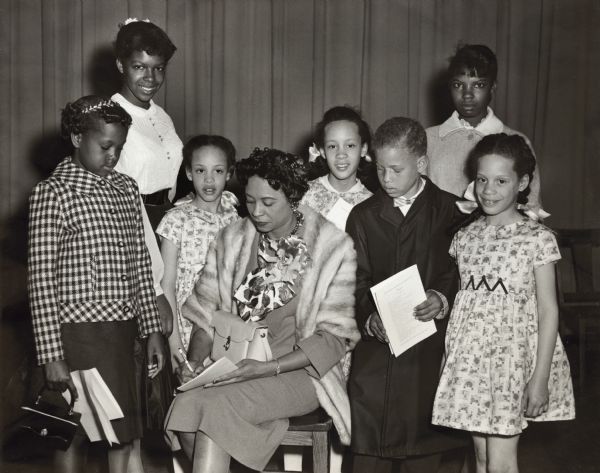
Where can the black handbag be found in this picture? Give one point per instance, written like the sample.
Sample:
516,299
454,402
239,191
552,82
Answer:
42,428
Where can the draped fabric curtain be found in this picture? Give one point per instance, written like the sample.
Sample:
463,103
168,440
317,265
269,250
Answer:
262,72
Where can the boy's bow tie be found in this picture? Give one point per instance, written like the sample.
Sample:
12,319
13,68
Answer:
403,201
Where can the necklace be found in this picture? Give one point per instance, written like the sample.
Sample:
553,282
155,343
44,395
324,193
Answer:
299,223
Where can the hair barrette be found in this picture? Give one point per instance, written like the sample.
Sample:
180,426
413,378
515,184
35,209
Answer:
99,106
134,20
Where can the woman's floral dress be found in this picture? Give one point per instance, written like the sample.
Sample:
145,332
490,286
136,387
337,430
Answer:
491,341
192,230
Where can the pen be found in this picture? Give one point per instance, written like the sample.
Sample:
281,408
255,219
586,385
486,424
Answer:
185,360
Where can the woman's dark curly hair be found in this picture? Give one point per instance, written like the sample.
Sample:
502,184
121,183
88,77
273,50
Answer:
319,167
83,114
513,147
143,36
281,170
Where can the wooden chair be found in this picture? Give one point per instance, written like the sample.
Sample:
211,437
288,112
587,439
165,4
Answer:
578,284
311,430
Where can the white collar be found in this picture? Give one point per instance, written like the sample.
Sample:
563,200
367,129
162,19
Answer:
489,125
134,109
358,187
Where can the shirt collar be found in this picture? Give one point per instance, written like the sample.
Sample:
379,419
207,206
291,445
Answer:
489,125
86,182
358,187
134,110
407,202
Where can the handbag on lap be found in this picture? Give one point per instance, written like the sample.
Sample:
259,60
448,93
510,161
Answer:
237,339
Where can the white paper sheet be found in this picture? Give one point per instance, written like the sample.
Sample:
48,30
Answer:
96,404
395,298
338,214
218,368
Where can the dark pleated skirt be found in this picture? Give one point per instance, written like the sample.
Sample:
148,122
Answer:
108,347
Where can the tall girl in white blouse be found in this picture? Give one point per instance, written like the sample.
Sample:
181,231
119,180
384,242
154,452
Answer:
152,156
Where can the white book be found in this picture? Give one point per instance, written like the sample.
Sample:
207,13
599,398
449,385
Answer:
395,298
218,368
96,404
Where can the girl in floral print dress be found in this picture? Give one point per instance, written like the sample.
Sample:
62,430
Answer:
505,363
338,156
187,230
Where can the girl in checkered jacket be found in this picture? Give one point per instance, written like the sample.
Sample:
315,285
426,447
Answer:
90,279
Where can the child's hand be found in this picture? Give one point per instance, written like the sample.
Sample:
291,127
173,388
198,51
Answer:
428,309
156,353
166,315
376,327
174,347
535,399
58,377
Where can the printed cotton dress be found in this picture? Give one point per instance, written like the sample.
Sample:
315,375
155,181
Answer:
491,341
322,196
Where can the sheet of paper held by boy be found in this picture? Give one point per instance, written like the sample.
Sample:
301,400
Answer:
396,298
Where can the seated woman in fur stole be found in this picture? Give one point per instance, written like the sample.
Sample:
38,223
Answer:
288,267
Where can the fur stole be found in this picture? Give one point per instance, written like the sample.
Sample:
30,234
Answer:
326,298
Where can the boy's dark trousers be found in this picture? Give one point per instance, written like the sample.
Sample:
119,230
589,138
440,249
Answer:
447,462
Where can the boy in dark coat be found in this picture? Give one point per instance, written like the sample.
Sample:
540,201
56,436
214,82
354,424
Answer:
406,222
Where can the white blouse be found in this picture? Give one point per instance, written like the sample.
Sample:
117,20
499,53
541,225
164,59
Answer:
152,153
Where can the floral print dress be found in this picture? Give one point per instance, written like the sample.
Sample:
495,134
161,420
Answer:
321,196
491,341
192,230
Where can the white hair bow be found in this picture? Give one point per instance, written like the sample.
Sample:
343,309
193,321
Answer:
470,204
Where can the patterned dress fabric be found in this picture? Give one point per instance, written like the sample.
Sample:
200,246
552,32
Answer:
192,230
491,341
281,263
321,196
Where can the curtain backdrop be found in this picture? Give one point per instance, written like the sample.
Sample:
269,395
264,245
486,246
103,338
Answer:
262,72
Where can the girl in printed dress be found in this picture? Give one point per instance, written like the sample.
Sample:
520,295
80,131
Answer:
339,157
505,363
187,230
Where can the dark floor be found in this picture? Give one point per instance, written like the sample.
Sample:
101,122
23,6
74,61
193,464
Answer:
548,447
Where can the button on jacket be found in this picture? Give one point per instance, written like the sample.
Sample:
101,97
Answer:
87,258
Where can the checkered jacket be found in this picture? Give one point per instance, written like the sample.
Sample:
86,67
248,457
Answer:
87,258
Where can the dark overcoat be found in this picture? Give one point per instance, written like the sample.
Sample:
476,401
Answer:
392,398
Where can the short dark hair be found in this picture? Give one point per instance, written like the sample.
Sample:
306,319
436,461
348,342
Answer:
512,147
200,141
476,59
281,170
143,36
399,132
83,114
319,167
338,113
